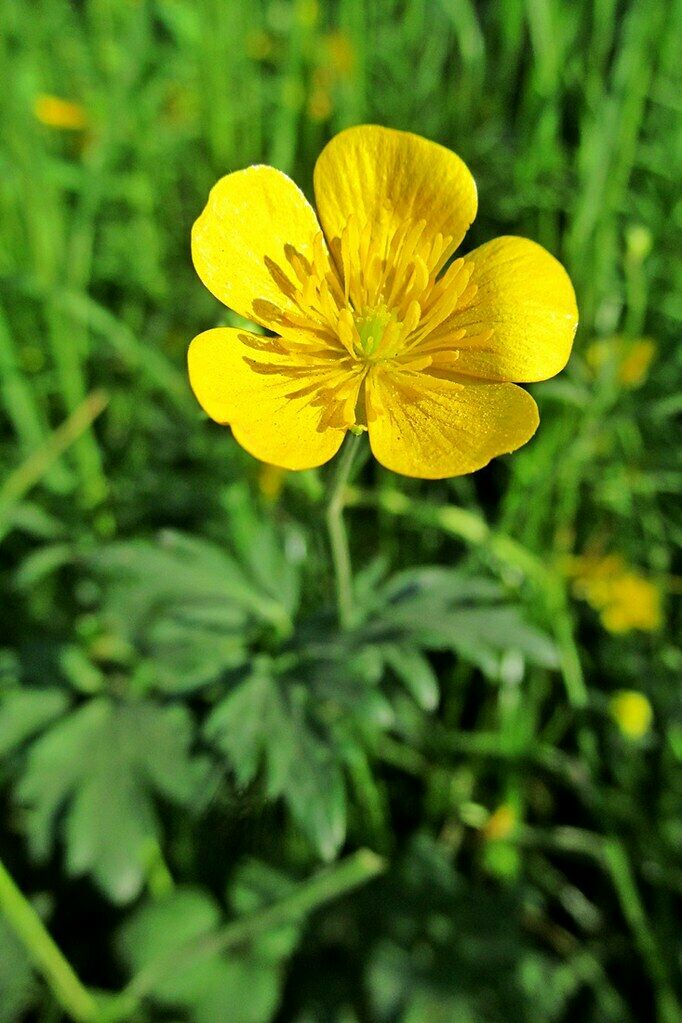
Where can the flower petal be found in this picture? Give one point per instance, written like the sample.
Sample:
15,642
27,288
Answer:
520,323
432,428
368,169
277,406
242,241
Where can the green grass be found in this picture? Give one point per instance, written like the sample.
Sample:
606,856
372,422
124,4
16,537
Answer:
185,736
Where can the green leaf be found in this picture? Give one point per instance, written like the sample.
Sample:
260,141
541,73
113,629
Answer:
242,986
102,765
260,724
254,885
24,712
415,671
252,727
270,559
186,606
316,794
17,988
438,609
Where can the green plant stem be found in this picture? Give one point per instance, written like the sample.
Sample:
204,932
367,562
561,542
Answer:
338,538
622,876
19,482
67,989
330,884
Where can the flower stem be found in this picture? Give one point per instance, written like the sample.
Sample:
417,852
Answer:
338,538
72,996
331,883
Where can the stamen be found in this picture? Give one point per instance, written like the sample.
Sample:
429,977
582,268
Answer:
375,294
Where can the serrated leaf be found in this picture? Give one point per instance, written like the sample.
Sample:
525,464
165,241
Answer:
102,765
185,605
24,712
261,550
251,726
258,724
438,609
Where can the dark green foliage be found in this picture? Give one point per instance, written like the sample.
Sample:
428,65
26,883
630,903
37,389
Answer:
102,764
17,986
194,758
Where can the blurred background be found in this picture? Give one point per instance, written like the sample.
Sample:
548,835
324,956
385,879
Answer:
467,810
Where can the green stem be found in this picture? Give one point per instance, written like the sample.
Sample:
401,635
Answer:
19,482
622,876
73,997
330,884
338,538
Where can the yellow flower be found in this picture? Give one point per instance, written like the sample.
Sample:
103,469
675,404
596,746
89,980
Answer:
260,45
319,102
501,823
59,113
340,56
373,329
628,360
632,713
624,598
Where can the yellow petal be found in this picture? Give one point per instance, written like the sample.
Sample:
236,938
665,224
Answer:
432,428
242,242
367,170
522,317
56,112
259,393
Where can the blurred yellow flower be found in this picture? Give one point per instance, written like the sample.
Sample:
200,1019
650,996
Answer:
319,103
339,54
632,713
629,361
374,328
500,824
336,61
260,45
59,113
624,598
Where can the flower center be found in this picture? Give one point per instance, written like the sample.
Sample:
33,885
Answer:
371,327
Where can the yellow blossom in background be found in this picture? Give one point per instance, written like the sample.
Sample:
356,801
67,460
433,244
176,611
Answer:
624,598
319,102
336,62
59,113
635,365
630,360
375,329
270,481
500,824
260,45
632,713
339,54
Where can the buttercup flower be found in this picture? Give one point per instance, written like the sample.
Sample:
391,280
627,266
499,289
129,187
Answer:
501,823
624,598
59,113
374,327
632,713
628,361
